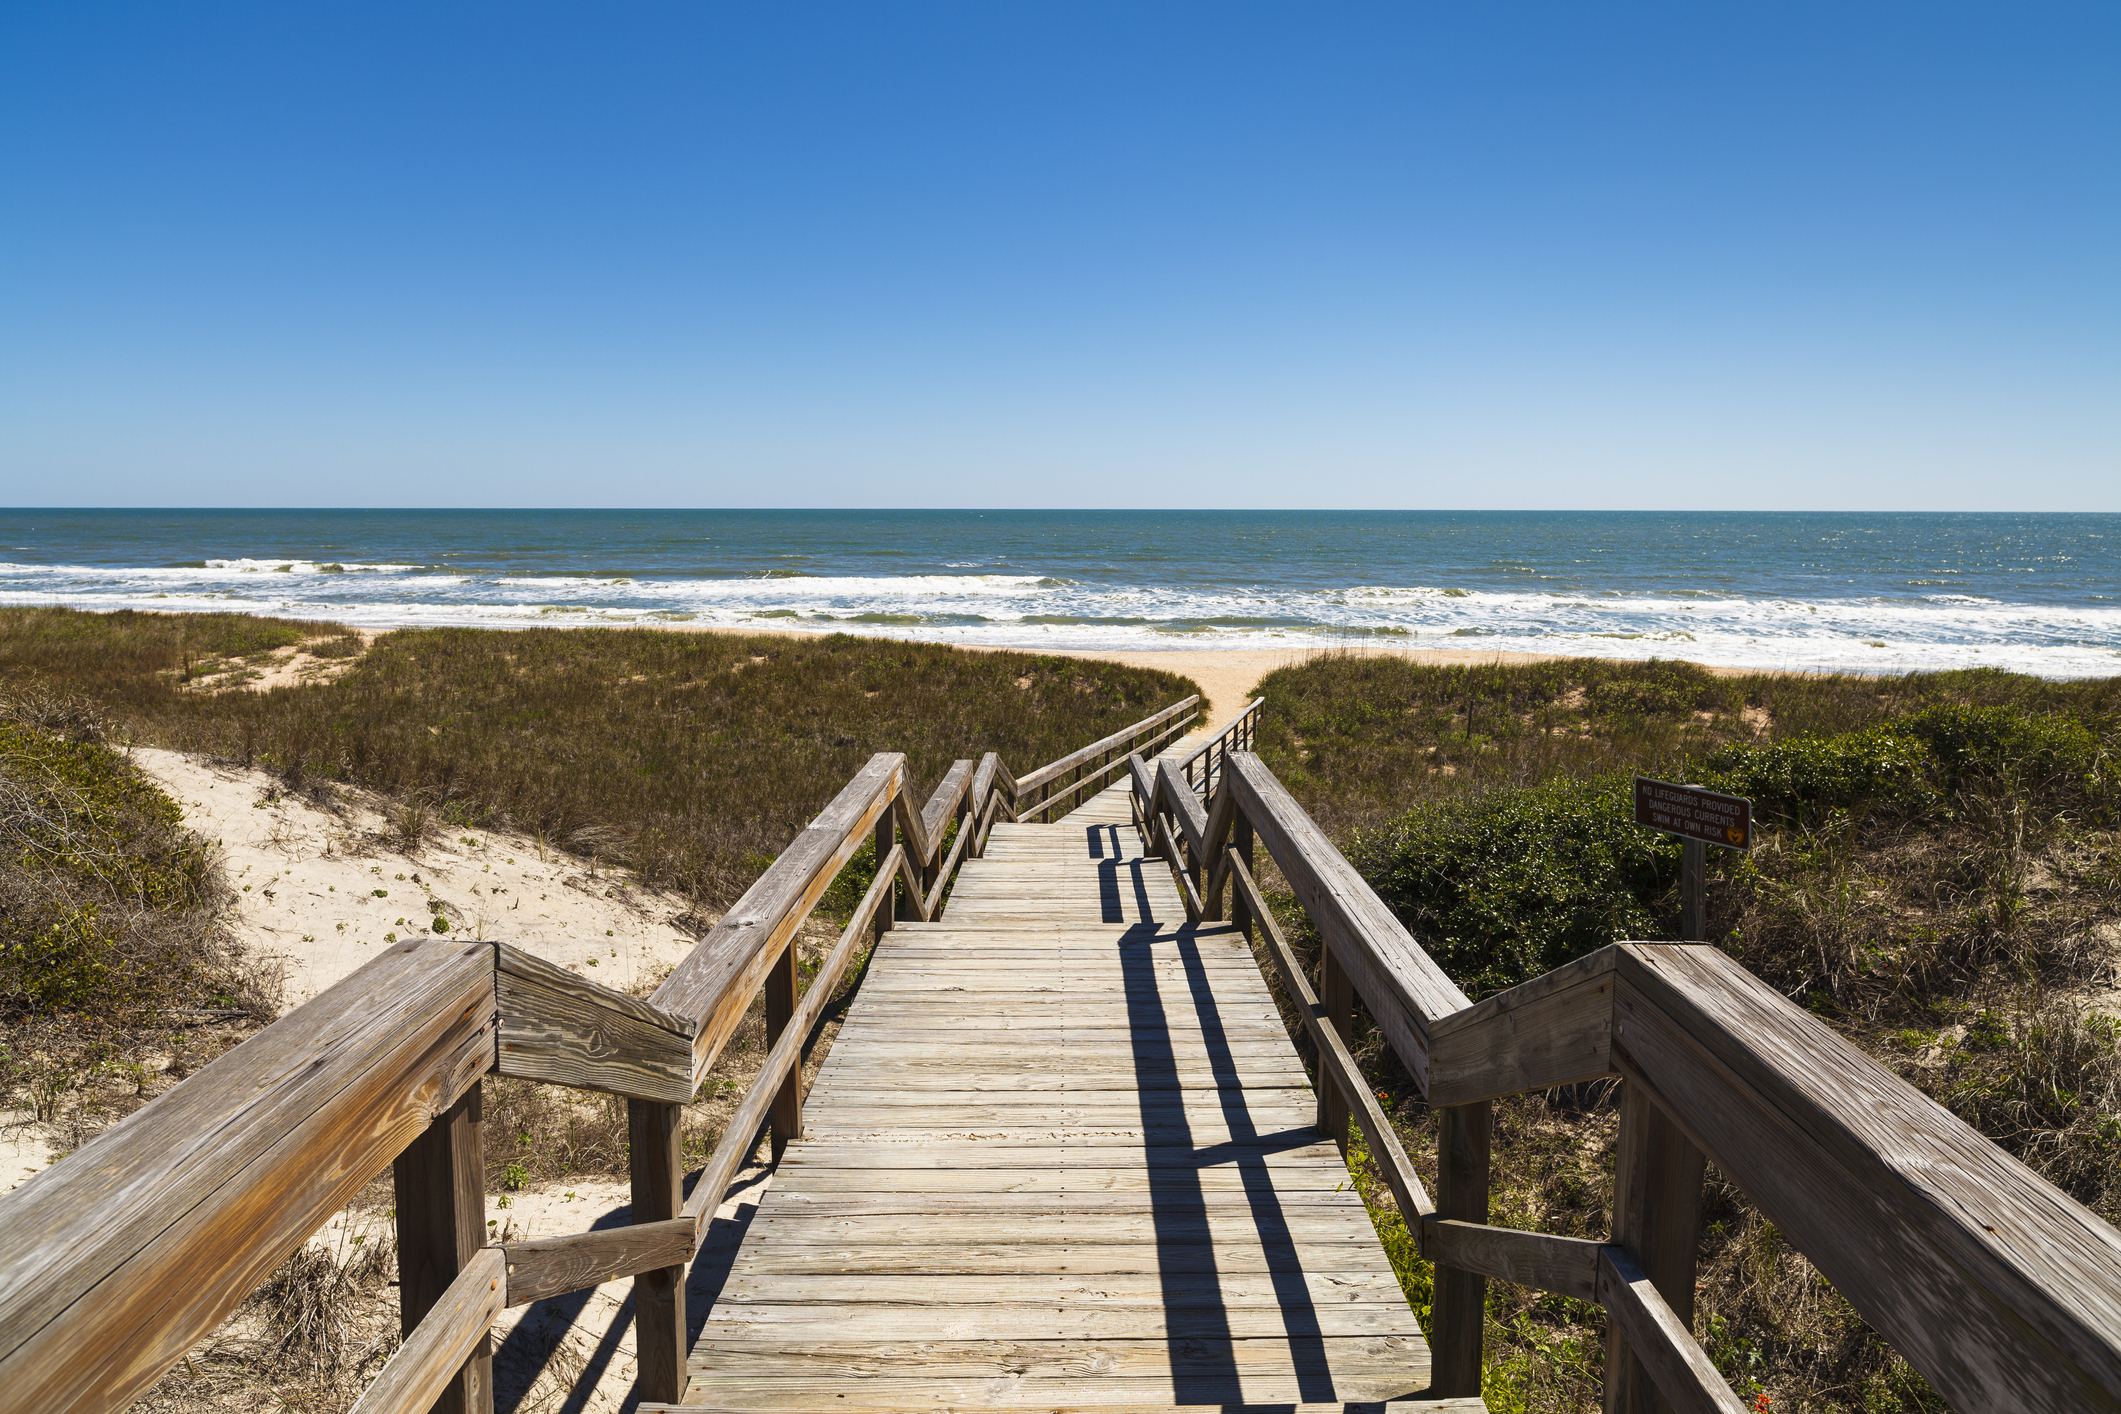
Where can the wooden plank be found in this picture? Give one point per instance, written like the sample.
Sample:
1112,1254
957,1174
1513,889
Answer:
1212,1223
419,1372
561,1029
822,1362
1553,1030
986,1154
554,1266
714,983
1317,1288
832,1320
1665,1344
1399,983
1297,1203
439,1184
1077,1258
1567,1265
1230,1176
117,1261
1999,1288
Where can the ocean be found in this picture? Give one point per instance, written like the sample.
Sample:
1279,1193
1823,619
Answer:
1876,593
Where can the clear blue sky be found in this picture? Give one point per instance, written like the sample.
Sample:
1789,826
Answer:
1510,255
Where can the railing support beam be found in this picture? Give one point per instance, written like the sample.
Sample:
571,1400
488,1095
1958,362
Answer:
782,980
1657,1217
440,1189
1337,994
658,1172
1458,1307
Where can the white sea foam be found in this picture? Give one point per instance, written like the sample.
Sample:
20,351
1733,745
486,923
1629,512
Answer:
1870,634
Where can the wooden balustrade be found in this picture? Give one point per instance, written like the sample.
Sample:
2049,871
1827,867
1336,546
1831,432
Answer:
2003,1292
116,1261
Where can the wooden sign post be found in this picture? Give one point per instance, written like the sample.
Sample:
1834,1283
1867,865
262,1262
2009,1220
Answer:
1700,818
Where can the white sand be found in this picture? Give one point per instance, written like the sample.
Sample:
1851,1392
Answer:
319,890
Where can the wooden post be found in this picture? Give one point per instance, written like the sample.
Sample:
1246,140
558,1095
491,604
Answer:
1693,892
782,979
1337,993
1656,1217
1458,1305
440,1183
659,1296
886,910
1241,841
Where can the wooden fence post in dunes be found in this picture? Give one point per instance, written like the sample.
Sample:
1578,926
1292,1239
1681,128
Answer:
1458,1307
1241,842
781,983
658,1171
440,1183
1657,1217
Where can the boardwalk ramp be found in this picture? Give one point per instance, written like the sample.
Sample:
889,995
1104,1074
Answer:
1062,1154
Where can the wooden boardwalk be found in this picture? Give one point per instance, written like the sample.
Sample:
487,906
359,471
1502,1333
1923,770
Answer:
1062,1155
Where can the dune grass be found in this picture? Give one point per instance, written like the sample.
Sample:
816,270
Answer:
691,758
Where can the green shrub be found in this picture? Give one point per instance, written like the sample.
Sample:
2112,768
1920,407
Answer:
102,896
1508,884
1806,779
1972,742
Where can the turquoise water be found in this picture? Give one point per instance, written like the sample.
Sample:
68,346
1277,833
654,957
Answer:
1862,592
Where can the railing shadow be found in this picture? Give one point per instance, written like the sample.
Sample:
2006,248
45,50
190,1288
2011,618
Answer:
1203,1356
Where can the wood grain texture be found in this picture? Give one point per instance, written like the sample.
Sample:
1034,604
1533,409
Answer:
439,1184
1399,983
423,1367
565,1030
1657,1221
1662,1342
716,980
554,1266
656,1166
117,1261
1458,1308
1999,1288
1568,1265
1553,1030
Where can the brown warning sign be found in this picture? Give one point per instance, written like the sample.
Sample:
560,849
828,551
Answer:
1693,813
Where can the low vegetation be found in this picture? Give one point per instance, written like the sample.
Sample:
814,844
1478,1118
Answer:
116,974
1938,874
689,758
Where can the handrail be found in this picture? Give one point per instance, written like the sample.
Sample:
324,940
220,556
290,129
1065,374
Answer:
117,1261
1151,733
1240,733
2000,1289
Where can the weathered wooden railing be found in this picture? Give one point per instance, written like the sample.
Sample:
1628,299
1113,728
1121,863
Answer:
1054,790
2003,1292
1203,765
115,1261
